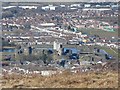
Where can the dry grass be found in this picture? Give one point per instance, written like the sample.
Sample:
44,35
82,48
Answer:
64,80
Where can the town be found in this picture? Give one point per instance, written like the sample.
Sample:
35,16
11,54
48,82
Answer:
48,39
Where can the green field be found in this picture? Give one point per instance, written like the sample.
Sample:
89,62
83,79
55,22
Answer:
109,51
99,32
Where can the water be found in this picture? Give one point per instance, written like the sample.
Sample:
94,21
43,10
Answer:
8,50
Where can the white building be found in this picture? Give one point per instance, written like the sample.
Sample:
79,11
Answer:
75,5
62,5
49,7
24,7
87,5
56,45
8,7
47,24
28,7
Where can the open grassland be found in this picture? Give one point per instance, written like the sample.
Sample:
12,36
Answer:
99,32
64,80
112,51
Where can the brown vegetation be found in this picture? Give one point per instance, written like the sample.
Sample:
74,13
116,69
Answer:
64,80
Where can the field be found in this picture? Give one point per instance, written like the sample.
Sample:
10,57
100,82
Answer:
99,32
111,51
64,80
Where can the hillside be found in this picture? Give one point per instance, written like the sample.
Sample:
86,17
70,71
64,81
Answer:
64,80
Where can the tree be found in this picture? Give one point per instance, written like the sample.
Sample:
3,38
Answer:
44,57
69,27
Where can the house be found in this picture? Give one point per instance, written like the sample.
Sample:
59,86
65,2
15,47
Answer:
87,5
49,7
47,24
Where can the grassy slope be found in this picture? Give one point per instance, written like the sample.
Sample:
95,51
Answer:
99,32
109,51
65,80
